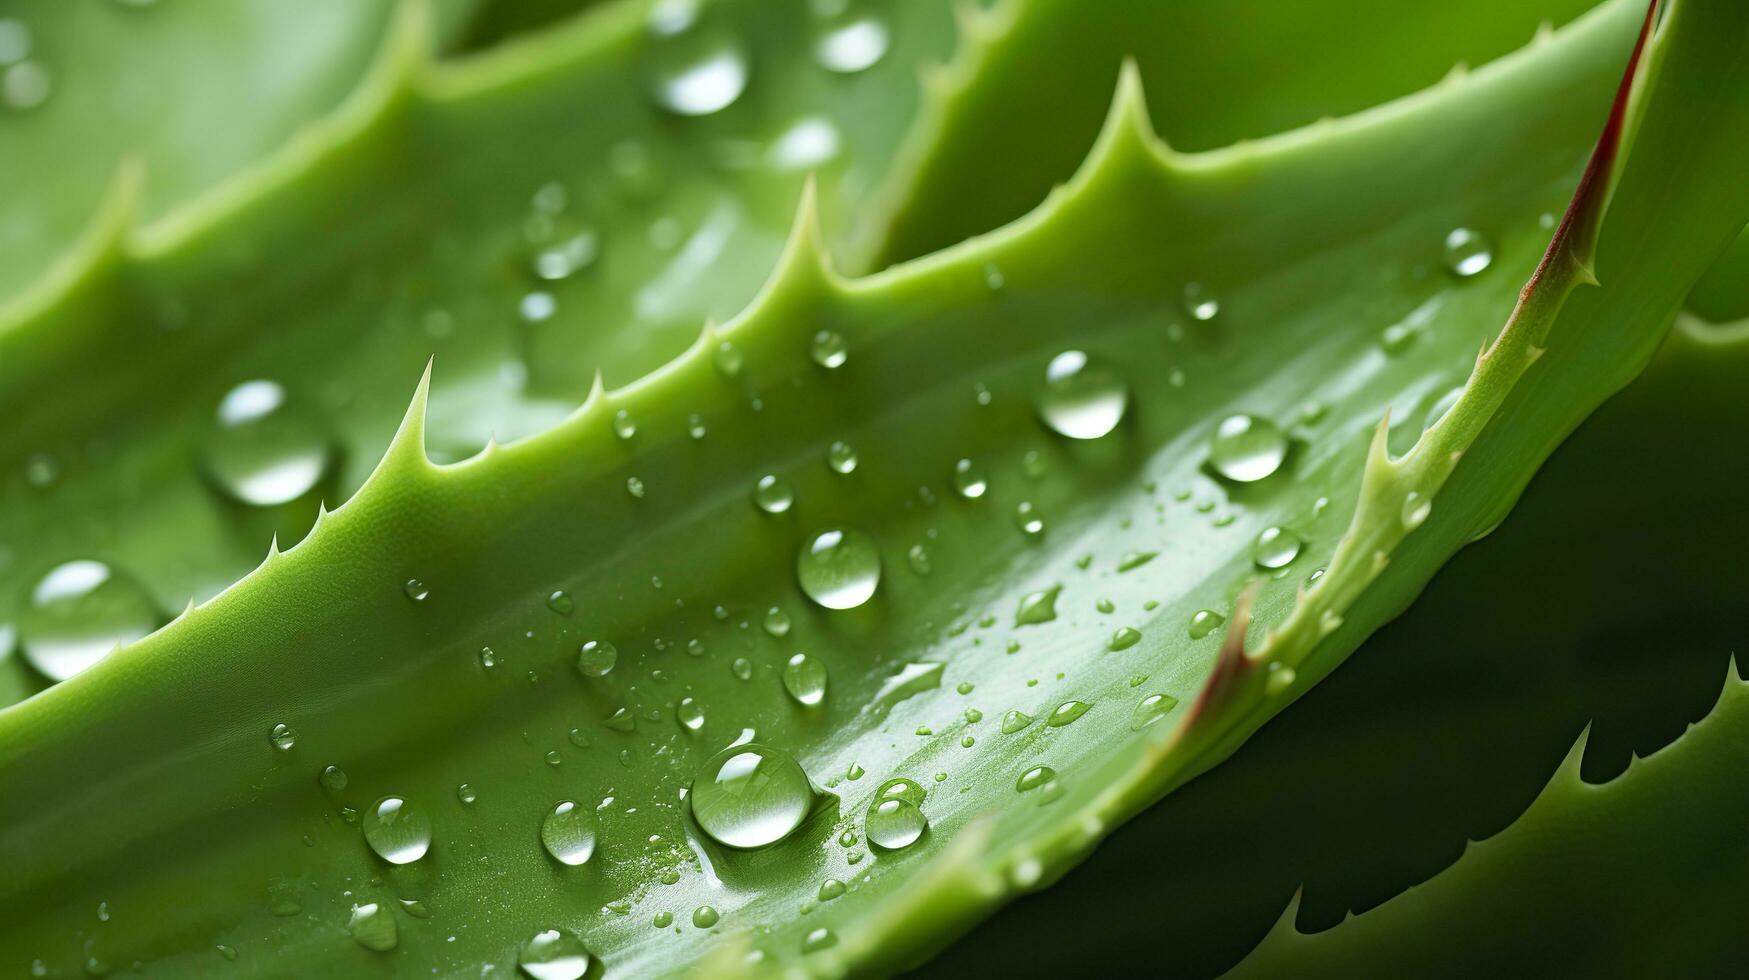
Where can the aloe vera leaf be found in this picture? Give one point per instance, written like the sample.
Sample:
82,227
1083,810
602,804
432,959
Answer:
1723,293
420,212
1444,725
1641,875
110,79
187,541
1216,74
385,681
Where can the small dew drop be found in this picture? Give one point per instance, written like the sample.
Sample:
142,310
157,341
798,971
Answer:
841,458
1066,712
283,738
804,677
1014,721
818,939
704,917
918,558
1150,710
969,480
1037,607
1467,252
1034,778
1203,622
596,657
895,823
624,426
839,568
635,487
772,495
333,779
1246,448
554,954
1124,638
1081,398
829,349
1027,518
689,714
776,622
1416,510
1200,303
398,831
416,590
466,793
568,833
1276,547
561,602
373,927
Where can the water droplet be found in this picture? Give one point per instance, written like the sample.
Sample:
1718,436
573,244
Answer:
968,479
25,85
742,668
262,449
804,677
776,622
1246,448
704,917
918,558
14,41
554,954
596,657
841,457
624,426
1135,559
1034,778
1200,303
1037,607
373,926
1026,517
1124,638
830,889
537,307
1150,710
78,613
1276,547
488,659
829,349
415,590
466,793
565,259
568,833
561,602
839,568
635,487
728,359
901,788
894,823
772,495
697,67
689,714
662,919
818,939
1467,252
398,831
807,144
333,779
849,36
622,720
283,738
1014,721
750,796
1082,398
1066,712
1203,622
1416,509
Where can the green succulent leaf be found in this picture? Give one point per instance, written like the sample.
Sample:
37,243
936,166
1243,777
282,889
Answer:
1634,872
84,84
441,639
401,226
1444,725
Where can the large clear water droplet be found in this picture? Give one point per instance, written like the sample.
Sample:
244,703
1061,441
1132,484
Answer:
78,613
1066,712
1150,710
1467,252
850,35
568,833
839,568
1082,398
398,831
1037,607
283,738
697,67
829,349
1015,720
705,917
1034,778
1246,448
373,927
804,677
265,450
554,954
750,796
1276,547
895,823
